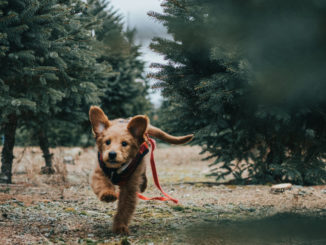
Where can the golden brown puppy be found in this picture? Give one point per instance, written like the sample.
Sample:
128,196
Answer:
121,145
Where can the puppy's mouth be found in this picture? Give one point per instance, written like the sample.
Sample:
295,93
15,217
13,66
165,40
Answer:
113,163
118,164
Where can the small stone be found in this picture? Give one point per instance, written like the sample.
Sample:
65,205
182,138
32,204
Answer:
323,191
302,193
20,169
281,187
68,160
297,186
73,152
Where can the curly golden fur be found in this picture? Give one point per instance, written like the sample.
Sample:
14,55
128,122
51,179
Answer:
118,141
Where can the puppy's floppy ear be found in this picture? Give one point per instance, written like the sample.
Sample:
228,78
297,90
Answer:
98,119
138,126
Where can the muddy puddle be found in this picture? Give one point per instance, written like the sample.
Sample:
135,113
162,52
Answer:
279,229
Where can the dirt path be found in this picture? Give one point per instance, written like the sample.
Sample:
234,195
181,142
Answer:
62,208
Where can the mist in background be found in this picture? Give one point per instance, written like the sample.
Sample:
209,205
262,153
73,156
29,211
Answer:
135,16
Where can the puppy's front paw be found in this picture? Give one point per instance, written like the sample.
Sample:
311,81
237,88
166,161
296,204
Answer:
121,229
108,196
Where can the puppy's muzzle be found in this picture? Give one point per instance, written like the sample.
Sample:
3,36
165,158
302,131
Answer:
112,155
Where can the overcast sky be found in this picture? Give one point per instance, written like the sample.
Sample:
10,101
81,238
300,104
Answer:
135,13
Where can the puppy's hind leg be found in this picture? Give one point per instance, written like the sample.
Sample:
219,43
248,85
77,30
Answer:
102,186
143,184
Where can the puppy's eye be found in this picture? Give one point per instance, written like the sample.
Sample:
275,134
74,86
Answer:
108,142
124,143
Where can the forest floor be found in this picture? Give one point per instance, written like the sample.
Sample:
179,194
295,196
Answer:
61,208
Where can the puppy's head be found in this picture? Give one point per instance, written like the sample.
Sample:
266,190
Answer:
118,141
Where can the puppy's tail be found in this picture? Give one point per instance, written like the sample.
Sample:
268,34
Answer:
160,134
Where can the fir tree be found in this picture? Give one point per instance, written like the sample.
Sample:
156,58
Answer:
48,71
239,75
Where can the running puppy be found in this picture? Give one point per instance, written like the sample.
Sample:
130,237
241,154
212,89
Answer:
122,145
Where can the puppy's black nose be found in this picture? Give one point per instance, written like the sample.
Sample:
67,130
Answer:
112,155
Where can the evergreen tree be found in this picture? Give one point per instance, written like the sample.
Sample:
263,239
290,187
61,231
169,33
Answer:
54,68
46,70
248,77
121,84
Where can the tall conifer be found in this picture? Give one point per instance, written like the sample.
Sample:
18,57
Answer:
249,78
46,71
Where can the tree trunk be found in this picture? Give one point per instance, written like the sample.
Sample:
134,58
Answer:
44,145
7,154
275,156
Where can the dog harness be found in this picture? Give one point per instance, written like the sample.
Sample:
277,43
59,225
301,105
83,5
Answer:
120,176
